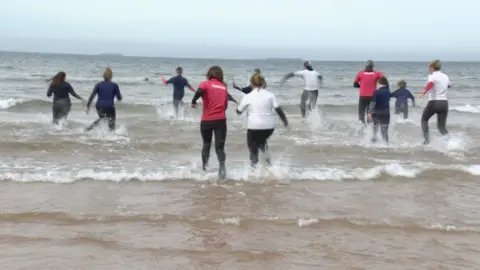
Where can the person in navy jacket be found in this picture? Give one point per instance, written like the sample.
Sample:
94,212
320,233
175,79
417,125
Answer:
402,94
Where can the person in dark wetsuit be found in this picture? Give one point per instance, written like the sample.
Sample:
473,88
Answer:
107,91
61,91
215,98
402,94
249,88
366,80
379,109
179,83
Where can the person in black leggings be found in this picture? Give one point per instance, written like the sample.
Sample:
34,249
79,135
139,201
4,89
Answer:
379,109
437,87
61,91
215,98
260,105
106,91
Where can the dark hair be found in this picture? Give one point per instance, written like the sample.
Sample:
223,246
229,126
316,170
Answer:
402,84
383,81
257,80
179,70
215,72
57,79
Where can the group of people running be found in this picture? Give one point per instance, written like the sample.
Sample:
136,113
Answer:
262,106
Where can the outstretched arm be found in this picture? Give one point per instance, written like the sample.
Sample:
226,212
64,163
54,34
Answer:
92,96
287,77
199,93
73,93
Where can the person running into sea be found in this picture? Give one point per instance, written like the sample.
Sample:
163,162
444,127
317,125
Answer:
107,91
402,94
379,109
61,91
260,105
215,98
312,80
179,83
437,87
366,80
249,88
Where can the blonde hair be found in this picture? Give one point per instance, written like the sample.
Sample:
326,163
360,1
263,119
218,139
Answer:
435,65
257,80
402,84
108,74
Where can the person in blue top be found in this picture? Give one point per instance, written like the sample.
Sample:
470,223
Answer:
249,88
61,91
107,91
179,83
402,94
379,110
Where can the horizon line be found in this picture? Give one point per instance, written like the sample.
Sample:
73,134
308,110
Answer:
222,58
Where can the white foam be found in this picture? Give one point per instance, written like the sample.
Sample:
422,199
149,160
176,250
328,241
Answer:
275,173
7,103
466,108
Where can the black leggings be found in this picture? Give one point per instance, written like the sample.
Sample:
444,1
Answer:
257,140
108,114
402,110
177,103
440,108
363,106
207,129
311,98
60,109
381,121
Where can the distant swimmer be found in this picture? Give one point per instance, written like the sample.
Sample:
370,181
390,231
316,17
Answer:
366,80
179,83
260,105
437,87
312,80
402,94
61,91
146,79
379,109
107,91
215,98
249,88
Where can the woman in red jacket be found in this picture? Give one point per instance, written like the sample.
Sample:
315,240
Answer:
214,120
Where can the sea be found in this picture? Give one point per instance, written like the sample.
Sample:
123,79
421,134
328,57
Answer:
136,198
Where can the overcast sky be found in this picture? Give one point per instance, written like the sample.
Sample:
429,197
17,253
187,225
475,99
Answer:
313,29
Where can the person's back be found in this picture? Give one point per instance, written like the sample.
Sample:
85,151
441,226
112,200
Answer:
215,99
402,95
441,83
368,82
381,98
310,77
61,91
107,91
261,109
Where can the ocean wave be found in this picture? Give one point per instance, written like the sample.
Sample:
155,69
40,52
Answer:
466,108
41,78
66,219
279,173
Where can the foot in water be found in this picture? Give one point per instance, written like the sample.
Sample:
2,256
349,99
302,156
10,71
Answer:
222,172
426,142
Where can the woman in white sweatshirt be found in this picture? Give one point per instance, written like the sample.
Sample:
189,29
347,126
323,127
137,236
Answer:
262,108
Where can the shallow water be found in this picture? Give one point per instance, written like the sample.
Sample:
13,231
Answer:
137,199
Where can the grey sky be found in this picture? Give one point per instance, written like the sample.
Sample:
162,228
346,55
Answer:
314,29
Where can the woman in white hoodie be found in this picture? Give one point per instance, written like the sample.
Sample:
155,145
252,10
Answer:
262,108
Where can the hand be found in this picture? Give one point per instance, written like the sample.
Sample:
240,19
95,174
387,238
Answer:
233,84
370,116
194,106
87,110
420,95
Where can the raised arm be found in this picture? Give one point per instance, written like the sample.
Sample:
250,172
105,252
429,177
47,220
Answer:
187,84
